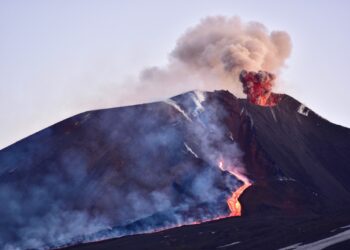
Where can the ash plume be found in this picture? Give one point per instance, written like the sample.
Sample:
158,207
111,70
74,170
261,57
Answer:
212,54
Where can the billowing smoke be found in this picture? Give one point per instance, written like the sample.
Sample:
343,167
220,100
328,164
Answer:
212,54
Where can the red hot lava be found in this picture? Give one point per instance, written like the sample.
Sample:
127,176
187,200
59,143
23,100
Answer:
258,86
233,202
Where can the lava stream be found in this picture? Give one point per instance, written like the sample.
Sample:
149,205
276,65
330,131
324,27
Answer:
233,202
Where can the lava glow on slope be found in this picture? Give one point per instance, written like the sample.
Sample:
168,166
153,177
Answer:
233,202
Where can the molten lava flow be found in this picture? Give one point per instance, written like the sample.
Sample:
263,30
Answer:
258,86
233,202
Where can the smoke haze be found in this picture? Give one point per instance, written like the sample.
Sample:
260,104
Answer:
148,166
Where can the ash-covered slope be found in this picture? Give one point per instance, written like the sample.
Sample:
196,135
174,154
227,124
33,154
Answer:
151,166
304,150
270,232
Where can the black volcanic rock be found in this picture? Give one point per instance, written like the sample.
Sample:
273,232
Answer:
303,150
125,170
253,232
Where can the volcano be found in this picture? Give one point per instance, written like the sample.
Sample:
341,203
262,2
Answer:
139,169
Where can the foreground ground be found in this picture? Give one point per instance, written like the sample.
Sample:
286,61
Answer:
264,232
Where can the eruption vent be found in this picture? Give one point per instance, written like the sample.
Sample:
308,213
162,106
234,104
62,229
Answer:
258,86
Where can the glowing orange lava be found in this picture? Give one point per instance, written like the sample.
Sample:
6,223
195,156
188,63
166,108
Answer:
233,202
258,87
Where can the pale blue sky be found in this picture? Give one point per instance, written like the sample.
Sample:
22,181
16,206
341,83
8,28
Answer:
59,58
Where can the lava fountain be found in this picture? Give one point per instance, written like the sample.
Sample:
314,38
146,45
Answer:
233,202
258,87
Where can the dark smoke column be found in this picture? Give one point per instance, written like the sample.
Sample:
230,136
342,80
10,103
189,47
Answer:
258,86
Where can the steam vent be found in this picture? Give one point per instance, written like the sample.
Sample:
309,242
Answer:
232,169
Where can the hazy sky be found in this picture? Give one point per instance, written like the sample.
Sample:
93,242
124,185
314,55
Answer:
60,58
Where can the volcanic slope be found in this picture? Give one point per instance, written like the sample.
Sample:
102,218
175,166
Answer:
128,170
